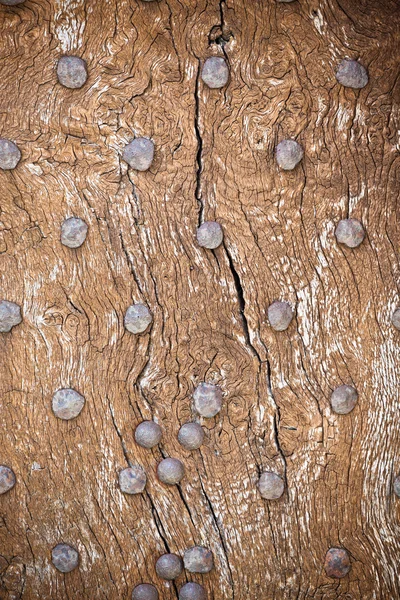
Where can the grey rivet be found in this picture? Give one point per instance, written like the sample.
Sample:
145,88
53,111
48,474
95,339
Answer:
169,566
11,2
285,0
396,318
72,72
344,399
215,72
280,315
198,559
337,563
65,558
271,485
137,318
207,399
170,471
148,434
10,315
288,154
67,404
132,480
209,235
139,154
192,591
351,73
396,486
350,232
10,154
191,436
7,479
145,591
73,232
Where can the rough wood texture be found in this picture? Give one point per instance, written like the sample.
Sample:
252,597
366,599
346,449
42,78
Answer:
214,160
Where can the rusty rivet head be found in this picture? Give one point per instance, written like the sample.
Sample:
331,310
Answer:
350,232
170,471
73,232
209,235
337,563
169,566
191,436
67,404
280,315
396,318
148,434
344,399
11,2
198,559
65,558
271,485
72,72
215,72
396,486
10,154
132,480
139,154
137,318
288,154
10,315
192,591
7,479
351,73
145,591
207,399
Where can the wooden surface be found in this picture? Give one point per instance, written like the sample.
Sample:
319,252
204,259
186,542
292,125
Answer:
214,160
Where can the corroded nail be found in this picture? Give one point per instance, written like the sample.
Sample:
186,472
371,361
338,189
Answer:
280,315
148,434
198,559
396,486
337,563
10,315
215,72
137,318
344,399
192,591
7,479
351,73
72,72
10,154
67,403
170,471
191,436
209,235
139,154
350,232
169,566
65,558
73,232
396,318
271,485
288,154
145,591
207,399
132,480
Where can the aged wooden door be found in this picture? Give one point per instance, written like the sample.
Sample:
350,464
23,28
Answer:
214,160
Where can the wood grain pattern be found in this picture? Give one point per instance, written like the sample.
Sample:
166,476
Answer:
214,160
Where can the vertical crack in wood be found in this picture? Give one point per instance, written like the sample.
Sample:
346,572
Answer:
199,155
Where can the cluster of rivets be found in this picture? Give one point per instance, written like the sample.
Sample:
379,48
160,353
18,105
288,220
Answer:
337,563
10,315
396,486
207,399
145,591
132,480
137,318
72,72
169,566
148,434
7,479
344,399
280,315
198,559
396,318
215,72
65,558
210,235
350,232
192,591
271,485
352,74
139,154
170,471
10,154
191,436
288,154
67,403
73,232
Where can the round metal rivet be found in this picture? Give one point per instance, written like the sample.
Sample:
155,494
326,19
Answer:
209,235
10,315
67,403
169,566
198,559
207,399
137,318
72,72
170,471
192,591
288,154
349,232
352,74
10,154
65,558
145,591
215,72
139,154
148,434
73,232
280,315
7,479
271,485
132,480
337,563
191,436
344,399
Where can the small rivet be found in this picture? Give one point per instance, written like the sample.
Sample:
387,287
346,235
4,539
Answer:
145,591
337,563
73,232
72,72
65,558
139,154
10,315
280,315
132,480
351,73
207,399
7,479
215,72
288,154
191,436
67,404
210,235
198,559
271,485
10,154
170,471
11,2
396,318
350,232
169,566
396,486
344,399
148,434
137,318
192,591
